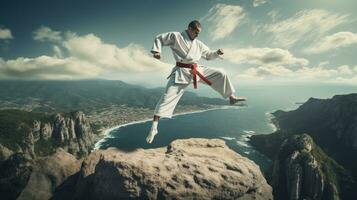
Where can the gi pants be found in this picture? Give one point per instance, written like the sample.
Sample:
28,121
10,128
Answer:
174,91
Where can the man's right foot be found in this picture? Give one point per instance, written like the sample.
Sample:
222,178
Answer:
234,99
151,135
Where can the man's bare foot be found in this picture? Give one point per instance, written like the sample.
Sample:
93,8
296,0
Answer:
151,135
234,99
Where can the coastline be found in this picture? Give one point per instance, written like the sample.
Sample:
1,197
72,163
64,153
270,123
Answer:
106,132
272,121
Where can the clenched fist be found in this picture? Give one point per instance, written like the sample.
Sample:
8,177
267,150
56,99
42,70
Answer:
220,51
156,55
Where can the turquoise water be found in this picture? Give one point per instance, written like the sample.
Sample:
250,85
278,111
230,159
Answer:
234,124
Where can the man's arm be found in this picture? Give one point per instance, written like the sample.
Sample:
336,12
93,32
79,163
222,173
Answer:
209,54
164,39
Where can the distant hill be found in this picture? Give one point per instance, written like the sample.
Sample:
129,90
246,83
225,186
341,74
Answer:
67,96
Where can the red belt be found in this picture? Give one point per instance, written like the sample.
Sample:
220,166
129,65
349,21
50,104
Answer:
194,72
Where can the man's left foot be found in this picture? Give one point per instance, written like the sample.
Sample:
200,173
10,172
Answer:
234,99
151,135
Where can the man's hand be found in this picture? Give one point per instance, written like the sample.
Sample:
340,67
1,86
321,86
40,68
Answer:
220,51
156,55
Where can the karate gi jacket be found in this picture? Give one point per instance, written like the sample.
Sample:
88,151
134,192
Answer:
184,50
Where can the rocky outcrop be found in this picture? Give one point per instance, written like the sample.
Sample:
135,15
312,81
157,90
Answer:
5,153
42,153
186,169
48,173
22,177
72,132
299,174
332,124
40,133
14,175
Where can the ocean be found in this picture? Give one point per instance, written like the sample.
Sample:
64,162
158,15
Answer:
232,124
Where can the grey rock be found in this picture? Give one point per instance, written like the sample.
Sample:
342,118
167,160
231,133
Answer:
48,173
186,169
5,153
297,174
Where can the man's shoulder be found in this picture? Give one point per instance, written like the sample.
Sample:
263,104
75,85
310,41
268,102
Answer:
200,43
173,32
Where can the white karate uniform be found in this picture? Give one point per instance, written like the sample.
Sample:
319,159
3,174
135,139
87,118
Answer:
186,50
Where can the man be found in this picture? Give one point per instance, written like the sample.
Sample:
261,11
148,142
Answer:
187,51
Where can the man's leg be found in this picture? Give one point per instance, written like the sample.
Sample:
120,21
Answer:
221,83
166,105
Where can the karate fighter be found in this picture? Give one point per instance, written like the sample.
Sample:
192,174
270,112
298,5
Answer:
187,51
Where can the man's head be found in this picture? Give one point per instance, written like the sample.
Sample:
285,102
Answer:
193,29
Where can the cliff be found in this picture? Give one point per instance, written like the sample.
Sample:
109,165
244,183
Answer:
300,171
39,151
186,169
22,177
332,128
43,159
40,134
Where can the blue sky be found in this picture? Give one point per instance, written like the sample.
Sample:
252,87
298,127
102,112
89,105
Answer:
264,41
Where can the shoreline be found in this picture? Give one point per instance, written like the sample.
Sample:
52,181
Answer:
272,121
108,130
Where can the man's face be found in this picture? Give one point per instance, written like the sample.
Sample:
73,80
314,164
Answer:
193,32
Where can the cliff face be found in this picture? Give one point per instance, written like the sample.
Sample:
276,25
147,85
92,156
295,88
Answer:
186,169
73,133
22,177
43,151
41,137
331,122
299,174
332,125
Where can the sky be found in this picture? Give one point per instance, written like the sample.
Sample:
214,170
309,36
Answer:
264,41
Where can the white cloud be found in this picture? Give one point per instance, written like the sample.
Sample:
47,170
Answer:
224,19
273,15
57,52
5,34
133,58
77,57
345,69
304,25
262,56
45,33
337,40
341,74
46,67
259,2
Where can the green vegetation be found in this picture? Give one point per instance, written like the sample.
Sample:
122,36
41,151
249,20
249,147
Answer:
45,147
14,124
335,173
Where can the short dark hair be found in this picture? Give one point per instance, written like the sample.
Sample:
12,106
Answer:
194,24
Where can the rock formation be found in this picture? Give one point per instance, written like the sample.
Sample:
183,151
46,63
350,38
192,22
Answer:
299,174
22,177
73,133
48,173
186,169
332,124
42,134
42,153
